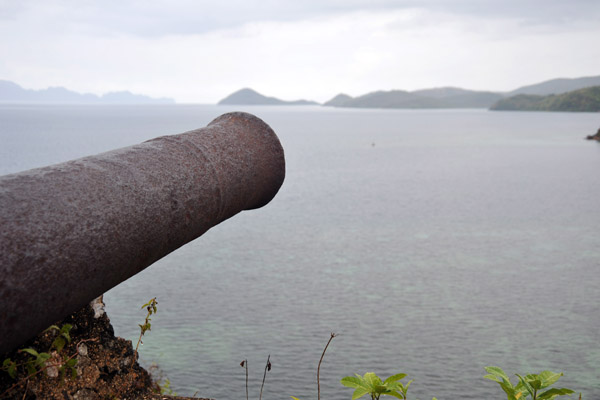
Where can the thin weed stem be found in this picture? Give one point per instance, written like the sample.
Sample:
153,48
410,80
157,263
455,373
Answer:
319,367
244,364
151,308
267,368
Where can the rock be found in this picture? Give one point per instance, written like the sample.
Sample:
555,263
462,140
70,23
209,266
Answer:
98,306
86,394
82,349
594,137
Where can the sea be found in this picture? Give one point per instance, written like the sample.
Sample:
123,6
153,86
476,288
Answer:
431,242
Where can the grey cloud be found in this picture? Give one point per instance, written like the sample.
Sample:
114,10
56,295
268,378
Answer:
159,18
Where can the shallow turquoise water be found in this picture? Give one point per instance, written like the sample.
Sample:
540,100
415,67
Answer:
433,242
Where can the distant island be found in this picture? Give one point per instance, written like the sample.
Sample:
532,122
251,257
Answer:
582,100
444,97
10,92
249,97
557,86
447,97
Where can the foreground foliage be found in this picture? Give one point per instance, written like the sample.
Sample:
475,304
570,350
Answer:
37,362
531,384
371,384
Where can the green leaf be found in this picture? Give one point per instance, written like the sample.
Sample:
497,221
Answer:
380,389
492,377
353,382
30,368
12,371
64,331
394,378
526,385
497,371
42,358
295,398
551,393
536,383
360,392
521,394
59,343
509,390
372,379
10,367
30,351
549,378
52,327
395,394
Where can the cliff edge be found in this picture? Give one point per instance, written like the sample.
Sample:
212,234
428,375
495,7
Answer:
105,366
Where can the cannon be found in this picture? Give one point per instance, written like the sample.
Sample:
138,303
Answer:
69,232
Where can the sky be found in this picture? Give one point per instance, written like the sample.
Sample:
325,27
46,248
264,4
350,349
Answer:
198,51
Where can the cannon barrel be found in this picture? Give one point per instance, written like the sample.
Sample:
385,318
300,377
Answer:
69,232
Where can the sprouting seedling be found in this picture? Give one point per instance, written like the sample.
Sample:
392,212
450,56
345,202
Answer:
37,363
244,364
151,308
10,367
63,336
267,368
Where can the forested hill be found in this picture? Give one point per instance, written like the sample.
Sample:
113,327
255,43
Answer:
557,86
584,100
446,97
251,97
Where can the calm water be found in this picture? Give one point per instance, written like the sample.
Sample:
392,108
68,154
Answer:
433,242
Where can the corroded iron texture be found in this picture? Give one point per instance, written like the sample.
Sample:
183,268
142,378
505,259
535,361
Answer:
70,232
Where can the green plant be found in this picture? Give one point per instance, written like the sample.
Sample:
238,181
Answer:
530,384
63,336
10,367
36,361
69,364
371,384
161,384
165,387
146,326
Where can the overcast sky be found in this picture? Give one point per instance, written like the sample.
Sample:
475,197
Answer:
200,51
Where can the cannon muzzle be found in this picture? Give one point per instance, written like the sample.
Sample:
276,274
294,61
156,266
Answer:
70,232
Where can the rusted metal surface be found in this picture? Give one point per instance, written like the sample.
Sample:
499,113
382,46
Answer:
70,232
